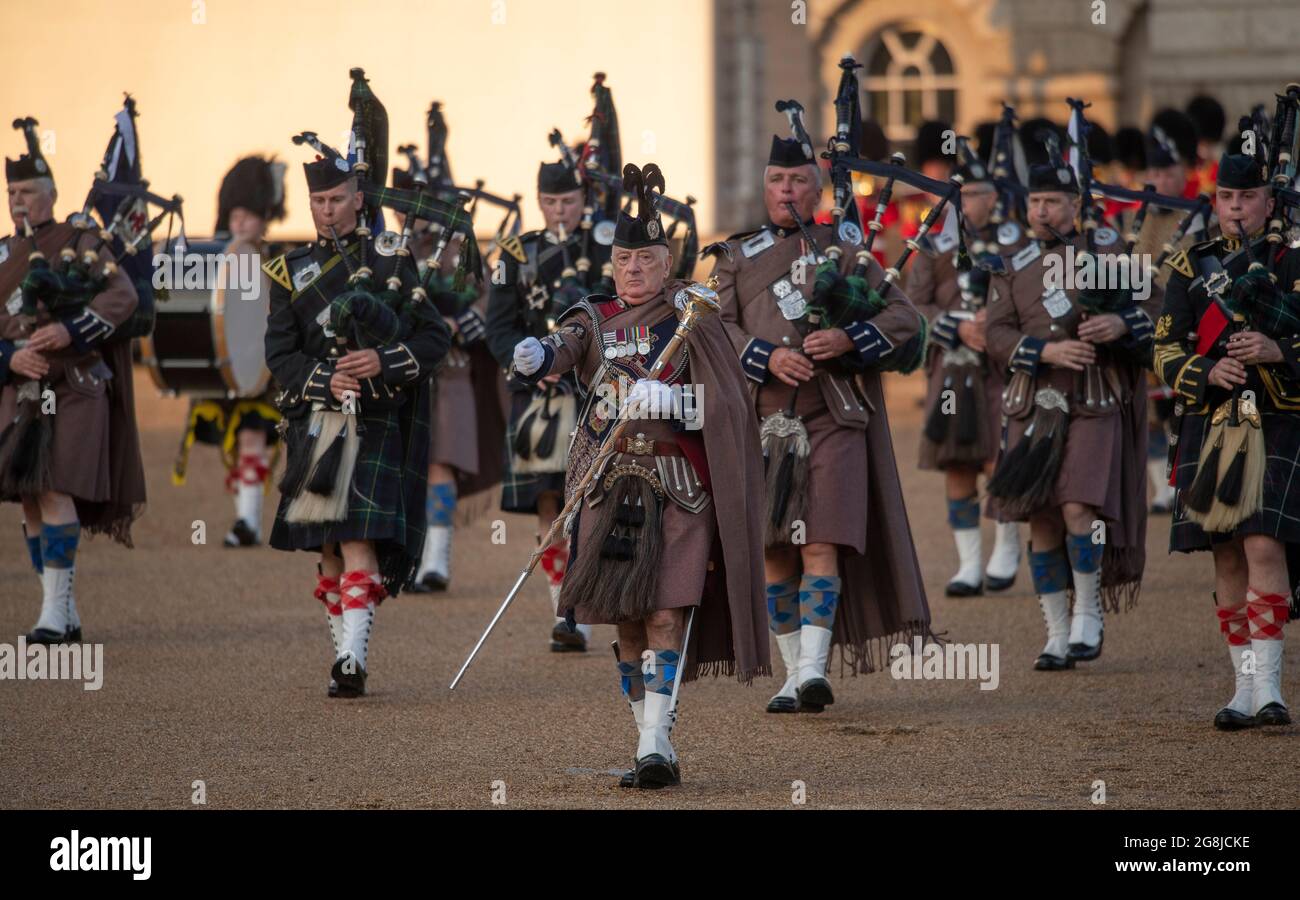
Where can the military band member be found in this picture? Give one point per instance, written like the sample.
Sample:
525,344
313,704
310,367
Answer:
1208,116
1210,358
668,524
536,285
465,457
69,449
356,413
840,565
958,441
1073,458
251,197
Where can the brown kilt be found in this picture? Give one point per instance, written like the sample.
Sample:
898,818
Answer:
455,423
687,549
992,423
837,463
79,457
1092,463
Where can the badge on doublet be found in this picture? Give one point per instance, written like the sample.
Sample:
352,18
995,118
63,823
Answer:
1008,233
1028,254
603,232
306,275
943,242
387,242
789,300
1056,302
850,233
1105,237
752,246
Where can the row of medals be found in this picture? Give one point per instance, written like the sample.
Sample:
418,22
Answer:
615,349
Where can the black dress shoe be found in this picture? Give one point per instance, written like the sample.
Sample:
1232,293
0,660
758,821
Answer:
1046,662
815,695
998,584
241,534
962,589
434,582
564,640
350,683
1230,720
655,771
1085,652
419,587
1273,714
46,636
783,705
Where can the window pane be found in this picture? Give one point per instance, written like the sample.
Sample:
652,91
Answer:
879,105
948,106
912,111
940,60
909,38
911,72
878,58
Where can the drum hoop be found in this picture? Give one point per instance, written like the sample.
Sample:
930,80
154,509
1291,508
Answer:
217,317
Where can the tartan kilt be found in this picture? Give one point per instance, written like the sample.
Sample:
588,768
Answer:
520,490
387,502
1280,515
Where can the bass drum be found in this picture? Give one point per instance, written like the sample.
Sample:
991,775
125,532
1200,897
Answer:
208,336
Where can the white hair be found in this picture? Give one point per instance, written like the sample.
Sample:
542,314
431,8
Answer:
816,168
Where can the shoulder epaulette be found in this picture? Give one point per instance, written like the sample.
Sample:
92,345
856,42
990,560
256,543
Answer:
513,245
278,271
1181,264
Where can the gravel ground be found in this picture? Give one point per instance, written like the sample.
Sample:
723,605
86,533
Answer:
216,663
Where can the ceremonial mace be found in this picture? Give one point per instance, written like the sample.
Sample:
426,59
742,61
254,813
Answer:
701,300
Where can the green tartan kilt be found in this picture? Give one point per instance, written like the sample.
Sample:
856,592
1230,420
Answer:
387,502
520,490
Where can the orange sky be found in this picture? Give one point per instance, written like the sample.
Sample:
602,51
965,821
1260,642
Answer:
252,74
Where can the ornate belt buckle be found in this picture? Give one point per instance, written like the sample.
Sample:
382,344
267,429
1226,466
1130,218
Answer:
640,446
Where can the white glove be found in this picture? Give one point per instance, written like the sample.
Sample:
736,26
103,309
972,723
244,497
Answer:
648,398
529,356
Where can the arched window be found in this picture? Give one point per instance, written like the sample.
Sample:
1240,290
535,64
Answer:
909,78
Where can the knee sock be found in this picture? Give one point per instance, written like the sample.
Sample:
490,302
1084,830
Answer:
818,597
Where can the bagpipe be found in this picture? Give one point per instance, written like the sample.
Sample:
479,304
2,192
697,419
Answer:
121,198
598,165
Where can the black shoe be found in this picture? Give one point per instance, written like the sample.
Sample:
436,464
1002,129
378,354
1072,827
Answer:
1046,662
1230,720
74,635
654,771
998,584
350,684
1273,714
962,589
419,587
815,695
241,534
783,705
432,581
46,636
564,640
1085,652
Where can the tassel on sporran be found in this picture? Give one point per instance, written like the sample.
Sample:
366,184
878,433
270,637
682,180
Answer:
1229,483
541,442
25,446
954,427
1026,474
616,574
785,462
323,492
